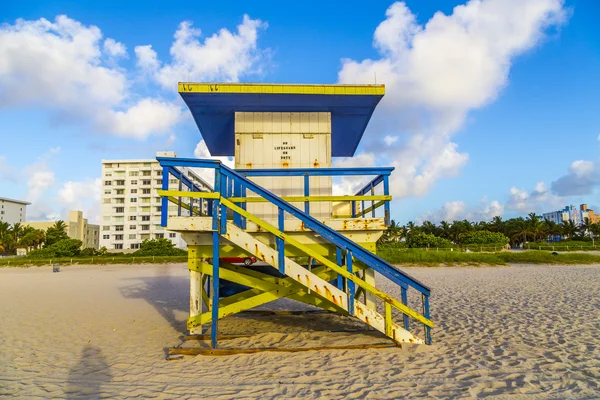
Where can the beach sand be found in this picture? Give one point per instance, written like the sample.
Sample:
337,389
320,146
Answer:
103,332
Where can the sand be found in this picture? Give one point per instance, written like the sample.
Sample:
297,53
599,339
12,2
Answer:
103,331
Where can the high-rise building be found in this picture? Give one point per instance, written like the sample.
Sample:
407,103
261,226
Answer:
12,211
130,205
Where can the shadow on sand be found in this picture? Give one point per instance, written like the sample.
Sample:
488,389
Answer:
87,377
167,294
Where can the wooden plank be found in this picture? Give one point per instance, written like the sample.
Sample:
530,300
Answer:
228,352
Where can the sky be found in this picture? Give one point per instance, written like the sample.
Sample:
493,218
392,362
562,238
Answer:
491,106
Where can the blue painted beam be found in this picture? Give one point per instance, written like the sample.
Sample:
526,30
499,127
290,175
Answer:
316,171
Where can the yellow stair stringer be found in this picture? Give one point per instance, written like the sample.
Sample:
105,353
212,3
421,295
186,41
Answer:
317,285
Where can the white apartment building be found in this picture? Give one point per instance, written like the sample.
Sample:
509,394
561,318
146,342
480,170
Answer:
12,211
130,205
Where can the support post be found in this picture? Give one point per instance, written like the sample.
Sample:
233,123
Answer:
339,260
195,289
280,242
215,291
307,193
388,319
180,186
372,201
426,315
243,194
164,205
405,302
350,284
386,207
215,202
237,192
370,298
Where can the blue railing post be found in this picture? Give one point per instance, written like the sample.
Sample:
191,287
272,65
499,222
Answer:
340,262
386,206
237,192
215,296
372,201
280,242
426,315
350,284
243,194
179,187
215,202
353,209
164,205
405,302
225,192
307,193
191,203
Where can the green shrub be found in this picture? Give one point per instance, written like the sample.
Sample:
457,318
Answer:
484,238
62,248
89,252
159,247
420,240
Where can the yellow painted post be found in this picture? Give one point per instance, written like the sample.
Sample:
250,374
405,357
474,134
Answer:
369,277
388,319
196,288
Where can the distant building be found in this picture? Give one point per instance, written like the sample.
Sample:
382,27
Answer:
590,214
131,207
12,211
571,213
77,228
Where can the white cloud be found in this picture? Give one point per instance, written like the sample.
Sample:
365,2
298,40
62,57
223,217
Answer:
436,73
223,56
145,116
538,200
458,210
83,196
146,58
201,151
67,67
114,48
583,178
350,184
40,180
389,139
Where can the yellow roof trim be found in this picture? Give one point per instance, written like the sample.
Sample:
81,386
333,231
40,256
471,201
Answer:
265,88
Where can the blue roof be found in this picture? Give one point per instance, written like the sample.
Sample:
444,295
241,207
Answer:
213,107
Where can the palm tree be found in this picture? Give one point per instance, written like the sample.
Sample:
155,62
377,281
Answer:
393,233
534,226
517,231
497,225
586,228
569,229
60,226
459,228
411,228
428,227
445,230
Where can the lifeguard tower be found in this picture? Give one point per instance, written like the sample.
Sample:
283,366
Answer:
277,205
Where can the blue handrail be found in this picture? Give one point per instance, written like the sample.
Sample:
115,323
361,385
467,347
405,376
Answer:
378,264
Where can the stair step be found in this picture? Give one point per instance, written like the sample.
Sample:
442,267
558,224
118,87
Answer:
319,286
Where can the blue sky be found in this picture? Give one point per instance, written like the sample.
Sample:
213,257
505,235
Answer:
491,107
